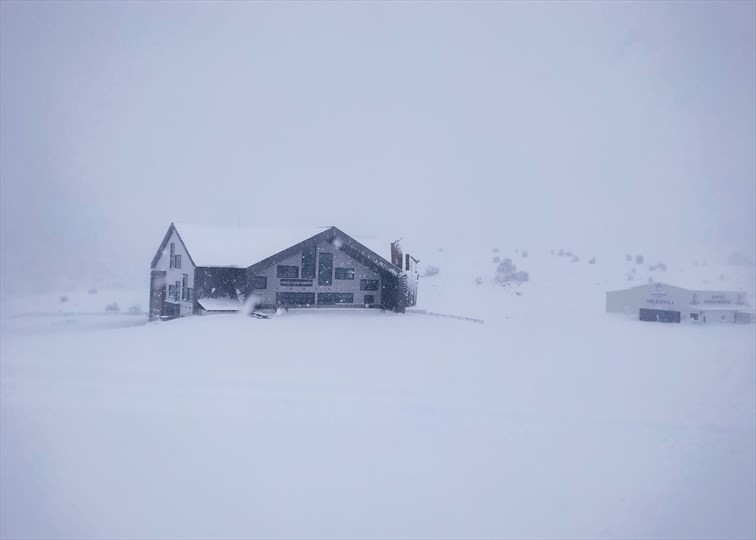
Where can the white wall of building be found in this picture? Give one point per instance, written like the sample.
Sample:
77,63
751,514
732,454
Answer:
709,306
174,275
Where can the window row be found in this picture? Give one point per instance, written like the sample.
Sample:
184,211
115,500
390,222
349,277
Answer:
324,299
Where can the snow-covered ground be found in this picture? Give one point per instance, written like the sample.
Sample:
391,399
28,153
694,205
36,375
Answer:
552,419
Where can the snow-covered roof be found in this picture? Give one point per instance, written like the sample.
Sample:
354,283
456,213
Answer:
220,304
240,247
243,247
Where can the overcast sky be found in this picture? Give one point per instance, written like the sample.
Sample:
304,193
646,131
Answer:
626,122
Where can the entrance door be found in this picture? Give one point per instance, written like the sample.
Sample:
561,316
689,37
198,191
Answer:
157,293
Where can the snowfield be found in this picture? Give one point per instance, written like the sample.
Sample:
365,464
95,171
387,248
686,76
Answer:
551,420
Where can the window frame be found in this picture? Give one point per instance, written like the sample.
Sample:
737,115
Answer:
325,269
337,298
288,267
347,273
370,284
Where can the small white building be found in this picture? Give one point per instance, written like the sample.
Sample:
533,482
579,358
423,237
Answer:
659,302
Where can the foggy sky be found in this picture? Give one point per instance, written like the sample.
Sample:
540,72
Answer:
621,122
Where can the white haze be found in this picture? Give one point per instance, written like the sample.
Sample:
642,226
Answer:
627,124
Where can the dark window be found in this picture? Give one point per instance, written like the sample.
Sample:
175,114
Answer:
406,258
335,298
295,298
344,273
177,261
189,292
171,291
325,269
369,284
185,287
177,291
308,263
259,282
369,299
287,271
173,254
658,315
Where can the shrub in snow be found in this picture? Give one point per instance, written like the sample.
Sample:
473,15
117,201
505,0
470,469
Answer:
92,291
496,259
524,252
112,307
662,267
575,259
507,273
430,271
561,253
495,250
64,298
628,257
639,259
135,309
479,280
592,261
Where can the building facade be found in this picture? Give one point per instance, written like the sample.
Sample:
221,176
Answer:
326,268
659,302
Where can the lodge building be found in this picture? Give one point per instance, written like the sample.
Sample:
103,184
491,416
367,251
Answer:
199,270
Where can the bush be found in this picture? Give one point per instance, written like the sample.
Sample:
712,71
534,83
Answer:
507,273
92,291
592,261
662,267
575,259
628,257
496,259
639,259
64,298
479,280
136,309
524,253
112,307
